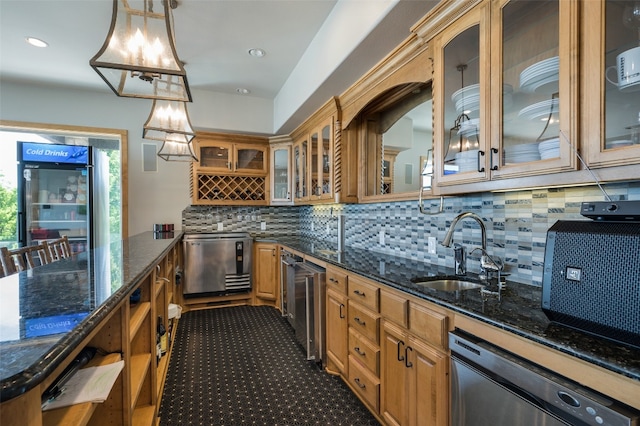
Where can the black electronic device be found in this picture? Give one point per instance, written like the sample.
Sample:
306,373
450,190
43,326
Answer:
611,210
591,278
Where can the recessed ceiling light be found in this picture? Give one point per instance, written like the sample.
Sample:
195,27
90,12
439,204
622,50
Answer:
243,91
257,52
36,42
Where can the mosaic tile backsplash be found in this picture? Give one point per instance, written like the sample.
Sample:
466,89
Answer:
516,224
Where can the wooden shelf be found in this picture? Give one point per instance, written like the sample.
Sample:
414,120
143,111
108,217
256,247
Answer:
138,314
159,286
139,368
144,415
78,414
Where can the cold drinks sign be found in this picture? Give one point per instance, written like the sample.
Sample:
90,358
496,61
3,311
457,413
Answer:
49,153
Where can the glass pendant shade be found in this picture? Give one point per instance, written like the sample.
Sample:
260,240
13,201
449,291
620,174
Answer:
138,58
177,147
168,117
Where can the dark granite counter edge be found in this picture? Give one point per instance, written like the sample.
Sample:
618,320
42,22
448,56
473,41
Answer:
28,379
552,344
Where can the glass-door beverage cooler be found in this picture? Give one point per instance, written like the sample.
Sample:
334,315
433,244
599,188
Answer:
54,194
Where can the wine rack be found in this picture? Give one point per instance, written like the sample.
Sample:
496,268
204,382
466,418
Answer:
221,189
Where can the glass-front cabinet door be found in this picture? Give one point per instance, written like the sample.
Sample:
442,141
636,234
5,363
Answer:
216,156
321,161
611,84
250,159
281,174
300,152
461,116
533,96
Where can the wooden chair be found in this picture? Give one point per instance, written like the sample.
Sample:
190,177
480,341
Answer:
28,257
6,263
59,249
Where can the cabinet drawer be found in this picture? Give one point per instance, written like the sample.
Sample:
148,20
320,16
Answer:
364,292
394,308
365,384
428,324
365,351
337,280
364,321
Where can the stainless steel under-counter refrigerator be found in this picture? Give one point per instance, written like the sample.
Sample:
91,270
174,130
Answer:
217,263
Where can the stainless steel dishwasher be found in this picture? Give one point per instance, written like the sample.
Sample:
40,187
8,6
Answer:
217,264
492,387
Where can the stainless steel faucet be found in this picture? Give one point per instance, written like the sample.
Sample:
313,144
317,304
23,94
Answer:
487,263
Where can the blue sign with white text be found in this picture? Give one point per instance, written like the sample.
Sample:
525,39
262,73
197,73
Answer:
35,327
49,153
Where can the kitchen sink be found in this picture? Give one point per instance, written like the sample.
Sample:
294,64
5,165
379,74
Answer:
449,284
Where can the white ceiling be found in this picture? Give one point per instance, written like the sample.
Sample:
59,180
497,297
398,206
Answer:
213,38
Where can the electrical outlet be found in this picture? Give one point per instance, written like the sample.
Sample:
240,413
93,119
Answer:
312,227
382,237
431,245
220,226
263,226
328,228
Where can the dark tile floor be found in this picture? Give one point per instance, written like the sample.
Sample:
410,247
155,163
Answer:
242,365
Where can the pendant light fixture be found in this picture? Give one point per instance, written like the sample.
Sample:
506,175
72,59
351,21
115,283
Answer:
177,147
138,58
168,117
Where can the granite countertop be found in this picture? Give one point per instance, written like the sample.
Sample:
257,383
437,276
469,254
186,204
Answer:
518,310
46,312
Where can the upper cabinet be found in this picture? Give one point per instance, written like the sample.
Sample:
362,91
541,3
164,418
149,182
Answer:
280,148
506,98
314,152
611,85
232,170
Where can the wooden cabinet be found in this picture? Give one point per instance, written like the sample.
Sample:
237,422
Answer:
280,164
337,332
414,378
266,277
314,166
231,170
519,114
611,114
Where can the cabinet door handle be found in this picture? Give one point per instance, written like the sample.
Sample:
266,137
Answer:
400,357
494,166
358,351
333,280
229,165
358,320
406,357
480,154
341,314
360,385
236,165
358,293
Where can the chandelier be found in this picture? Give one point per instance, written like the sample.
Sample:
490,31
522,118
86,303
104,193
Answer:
177,147
168,117
138,58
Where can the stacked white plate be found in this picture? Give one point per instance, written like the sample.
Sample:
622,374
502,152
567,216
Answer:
469,127
539,74
467,98
549,148
467,161
521,153
540,109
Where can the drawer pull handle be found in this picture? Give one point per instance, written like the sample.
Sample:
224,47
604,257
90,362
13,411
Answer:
360,385
358,351
341,314
358,293
359,321
400,357
406,357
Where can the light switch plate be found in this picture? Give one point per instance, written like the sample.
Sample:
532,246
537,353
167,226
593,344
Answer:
263,226
431,245
382,237
220,226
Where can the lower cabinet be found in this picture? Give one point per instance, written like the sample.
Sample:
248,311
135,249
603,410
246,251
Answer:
266,277
414,380
336,331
